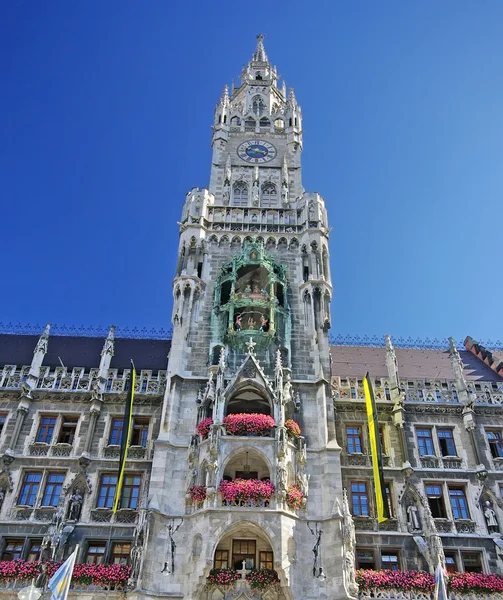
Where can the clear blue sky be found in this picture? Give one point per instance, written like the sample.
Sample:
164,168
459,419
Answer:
106,110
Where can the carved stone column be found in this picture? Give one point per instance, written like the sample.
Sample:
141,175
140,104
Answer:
95,412
22,411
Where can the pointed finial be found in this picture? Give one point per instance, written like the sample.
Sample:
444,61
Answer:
279,364
109,345
221,360
389,344
47,328
251,347
452,345
260,54
233,87
43,340
283,89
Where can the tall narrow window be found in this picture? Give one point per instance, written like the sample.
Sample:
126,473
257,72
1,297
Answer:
120,553
139,436
13,549
130,491
106,491
266,560
425,442
95,553
446,442
387,490
459,504
68,429
389,561
221,559
34,548
472,562
29,489
3,419
46,429
115,437
436,501
240,194
360,499
450,562
495,443
269,195
365,559
53,486
354,437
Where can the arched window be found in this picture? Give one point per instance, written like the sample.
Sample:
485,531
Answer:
279,124
269,195
235,121
258,105
240,194
250,124
265,122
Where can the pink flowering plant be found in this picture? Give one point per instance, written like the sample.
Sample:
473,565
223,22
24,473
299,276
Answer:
248,424
294,497
461,583
198,493
293,428
262,579
204,426
219,578
105,576
242,491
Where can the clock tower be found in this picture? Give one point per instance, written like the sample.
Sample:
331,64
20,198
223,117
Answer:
246,472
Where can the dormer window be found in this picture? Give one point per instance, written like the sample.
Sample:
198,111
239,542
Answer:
259,76
235,122
265,122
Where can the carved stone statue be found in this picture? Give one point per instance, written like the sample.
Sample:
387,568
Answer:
255,194
42,577
211,478
303,482
349,548
226,195
490,516
413,518
281,475
281,444
191,478
75,508
2,497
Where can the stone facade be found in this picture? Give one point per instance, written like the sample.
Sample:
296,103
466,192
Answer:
251,320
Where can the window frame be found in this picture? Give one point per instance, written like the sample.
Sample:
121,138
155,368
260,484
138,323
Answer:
425,439
264,562
65,419
251,555
54,494
495,444
359,494
359,563
458,502
440,504
446,439
45,431
355,438
141,424
103,555
114,555
113,433
29,485
390,552
219,562
14,542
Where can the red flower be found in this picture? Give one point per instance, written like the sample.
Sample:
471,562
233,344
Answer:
293,428
244,490
248,424
204,426
294,497
198,493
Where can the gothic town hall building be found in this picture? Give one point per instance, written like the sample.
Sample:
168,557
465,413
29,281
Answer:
250,448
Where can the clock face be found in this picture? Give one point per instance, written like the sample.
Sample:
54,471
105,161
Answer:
256,151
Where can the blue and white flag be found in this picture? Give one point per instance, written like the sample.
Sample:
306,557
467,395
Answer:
59,583
440,592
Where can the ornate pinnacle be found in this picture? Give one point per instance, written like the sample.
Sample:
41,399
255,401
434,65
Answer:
225,96
221,360
43,340
260,54
108,346
251,347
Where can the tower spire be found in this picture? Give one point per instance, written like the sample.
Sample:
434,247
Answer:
260,53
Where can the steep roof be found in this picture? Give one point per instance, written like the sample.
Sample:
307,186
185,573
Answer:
79,351
413,363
